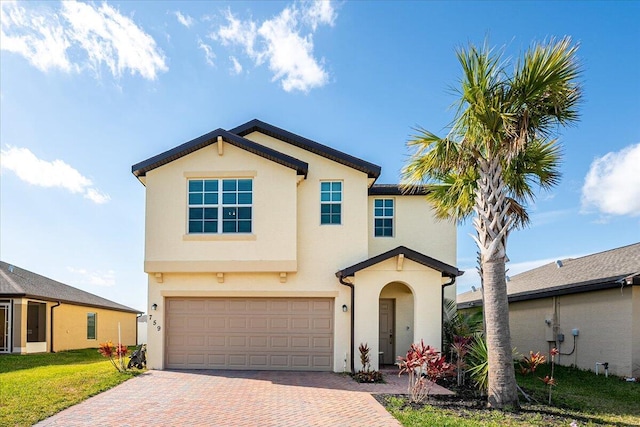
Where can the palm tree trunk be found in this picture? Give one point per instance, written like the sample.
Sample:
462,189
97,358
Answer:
492,224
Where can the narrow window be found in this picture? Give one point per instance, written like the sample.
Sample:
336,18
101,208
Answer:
383,217
331,202
220,205
91,326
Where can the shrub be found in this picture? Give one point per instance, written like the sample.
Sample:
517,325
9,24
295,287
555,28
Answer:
528,365
424,365
366,375
113,352
460,348
478,361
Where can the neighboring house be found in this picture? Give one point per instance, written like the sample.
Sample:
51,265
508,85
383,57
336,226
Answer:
266,250
40,315
588,307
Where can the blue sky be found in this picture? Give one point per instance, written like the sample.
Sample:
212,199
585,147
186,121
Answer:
88,89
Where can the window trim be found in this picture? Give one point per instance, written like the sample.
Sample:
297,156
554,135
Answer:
384,216
95,325
332,202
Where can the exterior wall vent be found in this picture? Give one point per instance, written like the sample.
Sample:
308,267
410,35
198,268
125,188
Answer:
559,263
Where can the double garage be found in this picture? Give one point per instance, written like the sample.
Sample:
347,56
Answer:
249,333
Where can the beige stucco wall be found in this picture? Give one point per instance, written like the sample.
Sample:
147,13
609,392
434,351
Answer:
317,250
270,247
416,227
70,327
604,321
287,238
426,287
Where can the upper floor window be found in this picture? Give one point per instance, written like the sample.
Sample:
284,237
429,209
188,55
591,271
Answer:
383,217
331,202
220,205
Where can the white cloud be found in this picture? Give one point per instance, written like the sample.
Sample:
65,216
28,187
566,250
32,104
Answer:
209,55
280,43
46,174
94,278
79,36
612,184
237,67
185,20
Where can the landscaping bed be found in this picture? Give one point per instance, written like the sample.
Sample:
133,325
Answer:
580,399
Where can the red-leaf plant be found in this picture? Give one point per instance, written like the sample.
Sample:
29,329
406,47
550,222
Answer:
528,365
460,347
425,365
111,351
550,381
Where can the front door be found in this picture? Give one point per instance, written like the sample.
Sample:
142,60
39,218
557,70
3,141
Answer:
5,328
386,330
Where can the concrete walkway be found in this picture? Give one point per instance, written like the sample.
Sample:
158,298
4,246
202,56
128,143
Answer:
236,398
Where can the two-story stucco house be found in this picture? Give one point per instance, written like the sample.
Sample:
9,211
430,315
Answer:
266,250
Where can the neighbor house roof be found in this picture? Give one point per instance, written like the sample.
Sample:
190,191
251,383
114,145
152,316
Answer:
16,282
141,169
604,270
446,269
372,171
397,190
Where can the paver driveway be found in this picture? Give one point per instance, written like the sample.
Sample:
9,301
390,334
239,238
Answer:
235,398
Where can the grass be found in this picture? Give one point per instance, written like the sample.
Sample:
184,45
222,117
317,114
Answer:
36,386
580,397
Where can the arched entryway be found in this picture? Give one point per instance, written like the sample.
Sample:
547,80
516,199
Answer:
395,322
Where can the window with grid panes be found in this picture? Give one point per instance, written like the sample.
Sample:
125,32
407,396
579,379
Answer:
330,202
383,217
220,205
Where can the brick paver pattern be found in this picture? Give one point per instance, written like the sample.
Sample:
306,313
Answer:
237,398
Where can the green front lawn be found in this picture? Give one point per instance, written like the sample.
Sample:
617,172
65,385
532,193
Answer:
580,397
36,386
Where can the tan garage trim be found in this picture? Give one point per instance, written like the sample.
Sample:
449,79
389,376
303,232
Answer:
249,333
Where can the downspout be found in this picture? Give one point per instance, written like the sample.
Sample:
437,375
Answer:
452,282
51,326
353,300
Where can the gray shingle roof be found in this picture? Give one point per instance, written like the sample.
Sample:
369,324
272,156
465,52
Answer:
602,270
17,282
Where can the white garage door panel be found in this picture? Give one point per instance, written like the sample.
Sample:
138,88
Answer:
249,333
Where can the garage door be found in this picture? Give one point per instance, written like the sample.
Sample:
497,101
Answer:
249,333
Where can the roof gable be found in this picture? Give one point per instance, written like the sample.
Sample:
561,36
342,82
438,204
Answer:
446,269
141,169
17,282
602,270
372,171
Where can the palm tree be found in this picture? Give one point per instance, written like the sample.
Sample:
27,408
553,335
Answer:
499,146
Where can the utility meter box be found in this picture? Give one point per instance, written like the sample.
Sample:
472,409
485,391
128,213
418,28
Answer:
575,332
560,337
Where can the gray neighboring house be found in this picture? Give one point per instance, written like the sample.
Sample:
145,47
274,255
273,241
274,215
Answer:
38,315
588,307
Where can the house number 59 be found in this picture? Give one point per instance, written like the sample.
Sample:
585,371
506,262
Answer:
155,323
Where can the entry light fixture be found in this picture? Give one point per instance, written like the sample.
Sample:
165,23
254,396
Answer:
154,307
345,308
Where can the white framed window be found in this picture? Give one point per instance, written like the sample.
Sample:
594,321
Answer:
91,325
331,202
220,205
383,215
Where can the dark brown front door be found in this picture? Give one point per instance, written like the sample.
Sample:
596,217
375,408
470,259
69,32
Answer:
387,332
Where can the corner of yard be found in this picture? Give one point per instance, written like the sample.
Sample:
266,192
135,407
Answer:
580,399
36,386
